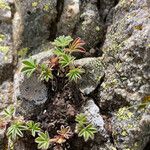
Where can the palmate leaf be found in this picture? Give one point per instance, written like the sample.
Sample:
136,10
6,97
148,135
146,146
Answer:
16,130
81,119
65,132
88,132
43,140
62,41
33,127
65,60
29,67
75,74
76,46
8,112
46,73
58,52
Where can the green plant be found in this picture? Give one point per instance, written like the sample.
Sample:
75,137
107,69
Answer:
62,41
29,67
46,73
84,128
43,140
75,74
65,60
15,130
76,46
9,112
61,60
33,127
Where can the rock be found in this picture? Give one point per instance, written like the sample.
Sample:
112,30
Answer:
31,94
92,76
129,127
126,66
69,17
90,28
5,11
91,110
6,54
36,18
6,94
126,53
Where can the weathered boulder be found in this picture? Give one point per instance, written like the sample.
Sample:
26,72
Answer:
90,28
30,93
69,17
93,74
6,53
128,128
6,94
35,21
127,62
5,11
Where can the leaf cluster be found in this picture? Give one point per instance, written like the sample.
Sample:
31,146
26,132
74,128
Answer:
62,60
84,128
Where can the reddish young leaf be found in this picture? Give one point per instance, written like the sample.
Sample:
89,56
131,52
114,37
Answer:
76,46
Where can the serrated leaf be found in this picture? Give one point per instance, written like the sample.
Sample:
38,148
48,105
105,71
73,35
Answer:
8,112
62,41
15,130
33,127
43,140
75,74
65,60
88,132
29,67
81,119
76,46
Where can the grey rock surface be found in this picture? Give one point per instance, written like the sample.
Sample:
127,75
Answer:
36,19
69,17
6,53
93,74
126,58
6,94
30,93
90,28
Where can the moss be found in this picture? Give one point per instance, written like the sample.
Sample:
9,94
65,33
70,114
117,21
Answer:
4,5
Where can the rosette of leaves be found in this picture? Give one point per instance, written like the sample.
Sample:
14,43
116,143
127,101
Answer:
46,73
15,130
75,74
62,41
62,60
29,67
33,127
43,140
84,128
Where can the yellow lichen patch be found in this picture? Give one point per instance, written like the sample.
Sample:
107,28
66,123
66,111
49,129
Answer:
138,27
124,114
4,50
2,37
23,52
46,7
97,28
4,5
124,133
34,4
